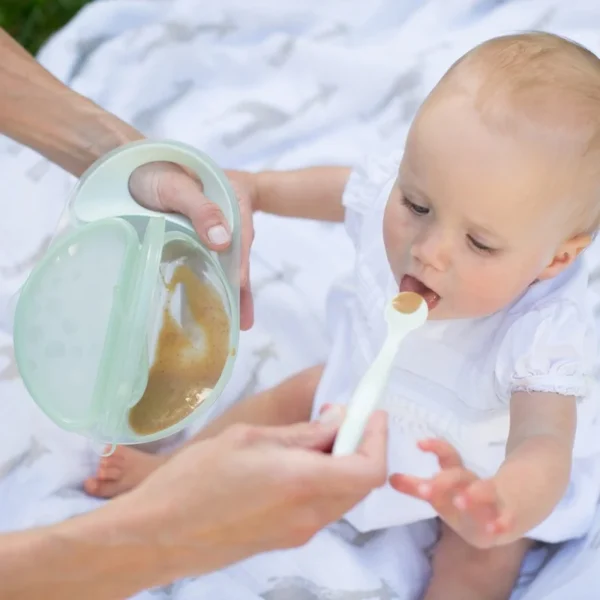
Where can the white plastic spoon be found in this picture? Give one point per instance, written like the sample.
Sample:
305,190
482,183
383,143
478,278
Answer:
405,313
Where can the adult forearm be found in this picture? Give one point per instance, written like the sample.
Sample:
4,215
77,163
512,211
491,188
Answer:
246,491
39,111
105,555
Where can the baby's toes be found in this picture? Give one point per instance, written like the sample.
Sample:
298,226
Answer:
109,472
117,456
111,467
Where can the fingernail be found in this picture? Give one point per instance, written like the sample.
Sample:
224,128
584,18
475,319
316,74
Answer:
333,414
218,235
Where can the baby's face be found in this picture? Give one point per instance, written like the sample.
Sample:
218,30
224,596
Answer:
475,217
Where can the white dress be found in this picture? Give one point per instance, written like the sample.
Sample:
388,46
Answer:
454,379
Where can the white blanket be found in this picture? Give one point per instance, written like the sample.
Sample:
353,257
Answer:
257,84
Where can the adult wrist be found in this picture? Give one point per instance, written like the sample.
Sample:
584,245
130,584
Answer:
116,543
103,555
96,133
39,111
166,551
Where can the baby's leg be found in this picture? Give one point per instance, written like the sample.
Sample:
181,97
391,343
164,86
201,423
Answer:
287,403
462,572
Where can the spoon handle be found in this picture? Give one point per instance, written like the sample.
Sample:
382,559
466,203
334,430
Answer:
365,398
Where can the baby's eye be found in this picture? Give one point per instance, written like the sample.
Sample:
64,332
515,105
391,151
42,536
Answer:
479,246
415,208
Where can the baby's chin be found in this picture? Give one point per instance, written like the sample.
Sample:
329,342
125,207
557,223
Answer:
444,312
447,311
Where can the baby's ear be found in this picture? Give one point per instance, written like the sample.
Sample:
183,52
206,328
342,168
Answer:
565,255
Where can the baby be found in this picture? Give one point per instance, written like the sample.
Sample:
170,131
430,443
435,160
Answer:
492,403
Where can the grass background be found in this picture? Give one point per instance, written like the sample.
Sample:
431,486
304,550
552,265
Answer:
32,22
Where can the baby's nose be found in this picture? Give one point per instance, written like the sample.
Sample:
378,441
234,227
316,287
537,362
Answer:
431,250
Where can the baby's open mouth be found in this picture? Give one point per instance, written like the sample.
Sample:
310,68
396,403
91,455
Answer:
411,284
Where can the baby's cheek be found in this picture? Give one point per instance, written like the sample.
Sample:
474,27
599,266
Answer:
491,291
397,240
397,226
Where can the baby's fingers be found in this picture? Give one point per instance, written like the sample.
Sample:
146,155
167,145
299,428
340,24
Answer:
447,485
504,524
481,501
447,455
412,486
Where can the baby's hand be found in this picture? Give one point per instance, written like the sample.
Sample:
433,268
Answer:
469,505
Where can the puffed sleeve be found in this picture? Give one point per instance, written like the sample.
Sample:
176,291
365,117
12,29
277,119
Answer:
550,348
366,184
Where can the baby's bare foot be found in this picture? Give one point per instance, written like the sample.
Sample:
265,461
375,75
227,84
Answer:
120,472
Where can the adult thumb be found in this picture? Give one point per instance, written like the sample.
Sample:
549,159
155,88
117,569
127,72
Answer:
168,187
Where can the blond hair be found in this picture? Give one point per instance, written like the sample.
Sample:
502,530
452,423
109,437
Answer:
538,84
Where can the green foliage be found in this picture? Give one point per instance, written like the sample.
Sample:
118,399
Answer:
32,22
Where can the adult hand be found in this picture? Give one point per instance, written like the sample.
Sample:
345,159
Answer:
253,489
39,111
170,188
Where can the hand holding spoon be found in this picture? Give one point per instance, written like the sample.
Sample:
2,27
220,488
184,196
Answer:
406,312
